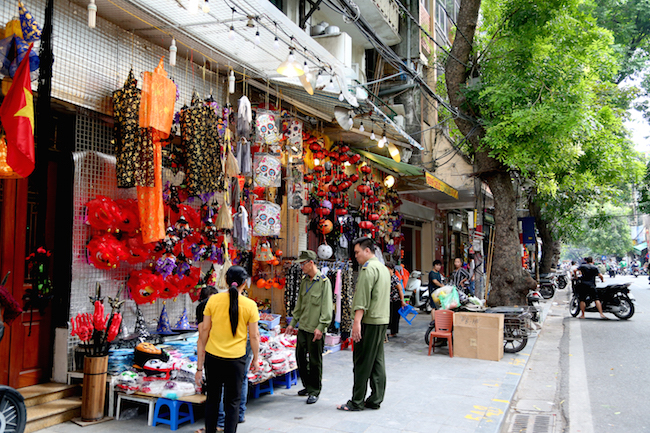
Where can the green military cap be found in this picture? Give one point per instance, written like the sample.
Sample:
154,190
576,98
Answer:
306,256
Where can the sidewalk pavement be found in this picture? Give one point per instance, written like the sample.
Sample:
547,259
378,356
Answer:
435,394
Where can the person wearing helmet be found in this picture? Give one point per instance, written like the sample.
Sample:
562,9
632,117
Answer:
227,320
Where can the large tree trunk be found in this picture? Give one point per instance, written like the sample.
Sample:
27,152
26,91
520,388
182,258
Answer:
509,281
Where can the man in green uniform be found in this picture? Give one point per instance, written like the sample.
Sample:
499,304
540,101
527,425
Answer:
371,316
312,315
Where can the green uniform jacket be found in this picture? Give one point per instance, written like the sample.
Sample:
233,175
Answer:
373,293
314,306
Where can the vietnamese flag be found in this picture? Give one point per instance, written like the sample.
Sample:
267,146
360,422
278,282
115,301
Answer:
17,116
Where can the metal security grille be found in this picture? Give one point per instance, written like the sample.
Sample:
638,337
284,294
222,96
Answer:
89,64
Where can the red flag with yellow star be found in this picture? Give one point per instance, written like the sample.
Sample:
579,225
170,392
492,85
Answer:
17,116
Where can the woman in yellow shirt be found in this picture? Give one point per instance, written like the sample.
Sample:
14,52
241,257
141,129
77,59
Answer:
227,319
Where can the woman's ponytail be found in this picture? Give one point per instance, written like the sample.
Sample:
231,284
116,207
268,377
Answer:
235,277
233,311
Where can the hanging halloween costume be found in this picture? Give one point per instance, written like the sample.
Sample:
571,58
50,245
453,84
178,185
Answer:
156,114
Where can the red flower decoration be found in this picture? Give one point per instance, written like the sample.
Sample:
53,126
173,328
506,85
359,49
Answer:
135,250
172,287
105,252
145,286
130,221
104,214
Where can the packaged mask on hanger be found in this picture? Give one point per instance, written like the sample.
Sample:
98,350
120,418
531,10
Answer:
266,218
294,138
267,169
266,127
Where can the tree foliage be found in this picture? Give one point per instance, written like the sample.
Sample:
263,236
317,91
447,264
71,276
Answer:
534,94
606,231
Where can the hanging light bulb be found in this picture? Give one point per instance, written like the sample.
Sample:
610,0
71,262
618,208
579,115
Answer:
381,142
305,67
257,37
231,82
276,43
172,53
341,97
330,85
231,33
316,161
92,14
206,7
350,120
193,6
389,181
290,68
361,128
372,134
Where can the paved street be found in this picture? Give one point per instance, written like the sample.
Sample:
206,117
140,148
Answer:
615,355
588,375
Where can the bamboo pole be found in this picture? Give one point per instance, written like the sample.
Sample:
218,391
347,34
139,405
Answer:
489,264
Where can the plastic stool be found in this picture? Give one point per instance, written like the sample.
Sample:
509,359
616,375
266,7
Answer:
263,387
405,311
348,343
288,379
176,417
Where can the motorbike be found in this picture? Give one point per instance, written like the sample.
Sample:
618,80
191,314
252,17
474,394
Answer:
13,414
547,285
635,272
417,292
615,299
562,280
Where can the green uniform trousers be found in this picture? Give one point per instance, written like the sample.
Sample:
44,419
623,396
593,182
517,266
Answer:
309,356
368,357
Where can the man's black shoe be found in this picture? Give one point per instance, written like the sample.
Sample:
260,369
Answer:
303,393
312,399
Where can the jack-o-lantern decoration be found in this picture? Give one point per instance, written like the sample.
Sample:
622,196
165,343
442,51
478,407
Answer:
325,226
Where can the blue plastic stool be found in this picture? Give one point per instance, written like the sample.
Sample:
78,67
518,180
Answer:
288,379
263,387
405,311
176,417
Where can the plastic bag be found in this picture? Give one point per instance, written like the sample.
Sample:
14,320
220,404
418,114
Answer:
449,299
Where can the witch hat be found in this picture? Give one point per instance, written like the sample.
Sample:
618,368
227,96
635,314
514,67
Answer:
163,323
183,323
141,326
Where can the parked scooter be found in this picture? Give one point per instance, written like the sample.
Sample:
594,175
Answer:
562,280
547,285
615,299
13,414
417,292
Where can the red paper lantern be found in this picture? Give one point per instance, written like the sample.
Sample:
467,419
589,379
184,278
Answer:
355,158
366,169
366,225
344,148
319,155
340,212
314,147
306,210
354,178
373,217
333,188
308,177
319,168
344,157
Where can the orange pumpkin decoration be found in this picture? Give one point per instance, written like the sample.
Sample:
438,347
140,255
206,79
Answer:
279,253
261,283
325,226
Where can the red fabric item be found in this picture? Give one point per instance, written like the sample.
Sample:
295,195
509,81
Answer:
145,286
12,308
17,116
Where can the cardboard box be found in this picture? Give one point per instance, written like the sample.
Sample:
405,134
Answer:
478,335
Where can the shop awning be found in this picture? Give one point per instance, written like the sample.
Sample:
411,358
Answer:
641,247
410,173
395,167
